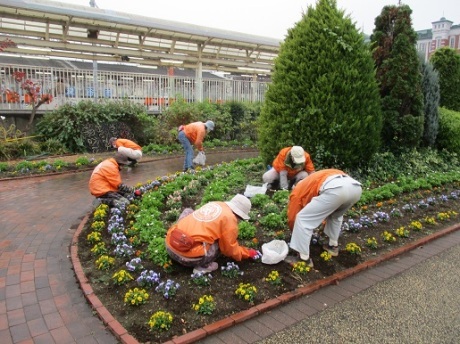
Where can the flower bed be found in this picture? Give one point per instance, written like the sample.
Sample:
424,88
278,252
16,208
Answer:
155,299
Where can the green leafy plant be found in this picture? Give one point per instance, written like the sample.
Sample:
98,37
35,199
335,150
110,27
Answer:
270,207
326,256
259,200
122,277
24,166
353,248
136,297
82,161
273,278
99,249
246,292
402,232
201,279
416,225
94,237
246,230
105,262
388,237
232,270
59,164
205,305
168,289
100,213
272,221
372,243
301,268
98,226
161,321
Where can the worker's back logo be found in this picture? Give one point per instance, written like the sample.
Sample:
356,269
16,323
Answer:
208,212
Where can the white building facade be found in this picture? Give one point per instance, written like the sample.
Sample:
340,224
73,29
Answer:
442,34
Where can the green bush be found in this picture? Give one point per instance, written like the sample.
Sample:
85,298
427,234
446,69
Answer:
67,123
449,130
234,120
324,94
53,146
4,167
446,61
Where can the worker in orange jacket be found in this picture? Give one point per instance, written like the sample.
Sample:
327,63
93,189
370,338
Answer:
190,135
210,230
291,165
105,182
324,195
130,149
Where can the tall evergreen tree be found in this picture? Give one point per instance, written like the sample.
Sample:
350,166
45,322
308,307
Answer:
398,72
324,95
447,62
430,88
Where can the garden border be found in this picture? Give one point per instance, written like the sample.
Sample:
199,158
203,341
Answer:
122,334
145,159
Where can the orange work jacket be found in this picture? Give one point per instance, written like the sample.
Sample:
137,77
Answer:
213,221
127,143
105,178
279,163
305,190
195,133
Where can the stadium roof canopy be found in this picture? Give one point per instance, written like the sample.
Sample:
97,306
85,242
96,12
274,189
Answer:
54,29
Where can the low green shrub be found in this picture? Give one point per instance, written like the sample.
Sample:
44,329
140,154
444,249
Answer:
449,131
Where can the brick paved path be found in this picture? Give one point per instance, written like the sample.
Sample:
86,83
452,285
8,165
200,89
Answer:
40,301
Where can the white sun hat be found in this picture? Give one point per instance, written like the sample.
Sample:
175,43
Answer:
240,205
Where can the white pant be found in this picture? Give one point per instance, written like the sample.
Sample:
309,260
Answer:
130,153
336,196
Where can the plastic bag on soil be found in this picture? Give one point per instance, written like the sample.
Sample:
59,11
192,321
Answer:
274,251
251,190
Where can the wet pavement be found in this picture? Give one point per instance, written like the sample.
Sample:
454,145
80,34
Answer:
41,302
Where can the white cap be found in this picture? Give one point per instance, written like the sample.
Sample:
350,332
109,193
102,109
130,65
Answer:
240,205
209,125
298,154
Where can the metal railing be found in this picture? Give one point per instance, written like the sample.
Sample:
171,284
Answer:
155,92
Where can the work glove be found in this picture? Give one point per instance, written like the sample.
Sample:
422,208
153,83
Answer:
125,189
284,180
254,254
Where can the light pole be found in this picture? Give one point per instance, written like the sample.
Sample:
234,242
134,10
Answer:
92,3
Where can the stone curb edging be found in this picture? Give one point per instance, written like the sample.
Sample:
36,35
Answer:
121,334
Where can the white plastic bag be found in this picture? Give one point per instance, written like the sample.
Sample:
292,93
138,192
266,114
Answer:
274,251
251,190
200,159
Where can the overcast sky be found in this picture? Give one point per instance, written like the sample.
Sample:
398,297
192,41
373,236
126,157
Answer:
272,18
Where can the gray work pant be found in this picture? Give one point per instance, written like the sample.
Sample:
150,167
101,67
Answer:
337,195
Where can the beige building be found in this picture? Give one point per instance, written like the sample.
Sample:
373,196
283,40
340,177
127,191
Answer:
442,34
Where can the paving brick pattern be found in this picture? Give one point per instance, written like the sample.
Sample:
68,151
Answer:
43,301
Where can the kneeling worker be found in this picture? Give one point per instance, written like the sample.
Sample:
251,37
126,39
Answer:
105,181
197,239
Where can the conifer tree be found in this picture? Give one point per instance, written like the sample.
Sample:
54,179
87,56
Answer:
398,73
447,62
323,96
430,88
